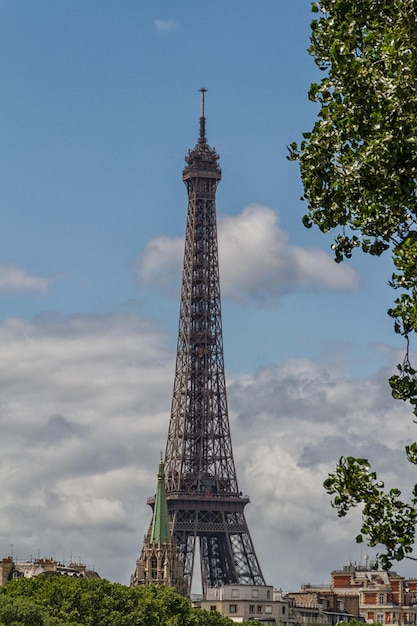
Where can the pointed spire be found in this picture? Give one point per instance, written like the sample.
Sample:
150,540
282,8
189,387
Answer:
202,138
160,532
202,160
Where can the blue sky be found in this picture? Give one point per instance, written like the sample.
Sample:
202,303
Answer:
99,105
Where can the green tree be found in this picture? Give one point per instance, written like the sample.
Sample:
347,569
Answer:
359,171
61,601
23,612
210,618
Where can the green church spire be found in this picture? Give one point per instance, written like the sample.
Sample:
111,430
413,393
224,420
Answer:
160,521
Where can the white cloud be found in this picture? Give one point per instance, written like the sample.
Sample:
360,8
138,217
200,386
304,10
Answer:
160,264
257,261
84,400
14,279
291,423
84,412
164,26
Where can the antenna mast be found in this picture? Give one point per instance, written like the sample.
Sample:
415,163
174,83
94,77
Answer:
202,138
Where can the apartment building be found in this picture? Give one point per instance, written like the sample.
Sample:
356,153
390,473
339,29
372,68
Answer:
321,606
261,603
10,569
384,597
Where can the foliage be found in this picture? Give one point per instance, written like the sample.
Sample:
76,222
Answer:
211,618
386,520
22,612
61,601
359,170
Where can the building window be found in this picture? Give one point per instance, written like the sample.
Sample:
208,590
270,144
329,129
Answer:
254,593
268,608
154,568
235,593
283,609
380,618
251,608
259,608
381,598
232,608
213,607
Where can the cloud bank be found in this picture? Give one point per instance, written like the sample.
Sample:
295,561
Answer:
258,263
84,412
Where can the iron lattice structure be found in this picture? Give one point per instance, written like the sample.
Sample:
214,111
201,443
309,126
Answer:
203,497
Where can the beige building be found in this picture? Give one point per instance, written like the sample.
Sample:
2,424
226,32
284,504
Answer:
321,606
11,569
247,602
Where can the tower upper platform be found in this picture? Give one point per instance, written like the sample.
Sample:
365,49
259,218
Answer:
202,161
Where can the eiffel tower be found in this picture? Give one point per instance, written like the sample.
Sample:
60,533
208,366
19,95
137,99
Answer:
203,497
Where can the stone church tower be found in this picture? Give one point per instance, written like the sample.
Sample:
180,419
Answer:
158,563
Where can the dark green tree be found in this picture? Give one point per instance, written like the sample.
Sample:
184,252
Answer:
210,618
23,612
61,601
359,171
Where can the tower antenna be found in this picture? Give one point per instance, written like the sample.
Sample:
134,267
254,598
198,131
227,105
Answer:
202,117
